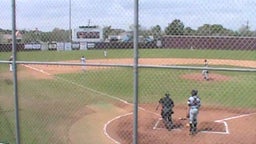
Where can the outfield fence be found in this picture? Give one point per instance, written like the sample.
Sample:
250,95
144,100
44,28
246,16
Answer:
50,94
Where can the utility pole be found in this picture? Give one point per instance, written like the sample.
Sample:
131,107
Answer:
247,25
70,30
89,22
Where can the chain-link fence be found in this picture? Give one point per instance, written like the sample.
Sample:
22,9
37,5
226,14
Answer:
97,72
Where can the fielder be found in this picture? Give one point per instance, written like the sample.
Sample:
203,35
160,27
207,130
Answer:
194,103
205,72
10,64
166,111
83,60
105,52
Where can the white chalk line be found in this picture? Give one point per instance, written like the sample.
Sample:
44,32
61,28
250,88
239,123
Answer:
226,124
217,121
36,69
157,123
95,91
236,117
121,100
110,121
82,86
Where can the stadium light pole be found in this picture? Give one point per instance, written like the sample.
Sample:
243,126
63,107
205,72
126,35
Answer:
70,30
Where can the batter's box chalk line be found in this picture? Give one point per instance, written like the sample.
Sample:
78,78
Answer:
157,127
223,121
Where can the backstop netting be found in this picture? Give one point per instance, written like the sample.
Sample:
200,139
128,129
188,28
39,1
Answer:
93,72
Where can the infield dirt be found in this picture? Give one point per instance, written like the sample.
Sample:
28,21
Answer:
240,130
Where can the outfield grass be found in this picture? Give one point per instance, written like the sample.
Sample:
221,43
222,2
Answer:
47,106
128,53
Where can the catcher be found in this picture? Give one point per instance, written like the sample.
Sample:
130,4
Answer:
10,63
166,112
194,104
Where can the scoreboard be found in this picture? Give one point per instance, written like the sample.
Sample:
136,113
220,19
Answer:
87,34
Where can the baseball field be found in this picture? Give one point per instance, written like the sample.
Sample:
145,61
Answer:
61,103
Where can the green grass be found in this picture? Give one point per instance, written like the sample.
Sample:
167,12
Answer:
153,83
128,53
47,107
6,126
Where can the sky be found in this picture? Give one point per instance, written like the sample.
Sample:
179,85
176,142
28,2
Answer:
49,14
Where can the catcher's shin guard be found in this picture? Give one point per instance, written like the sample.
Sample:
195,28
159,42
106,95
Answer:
190,127
193,129
195,126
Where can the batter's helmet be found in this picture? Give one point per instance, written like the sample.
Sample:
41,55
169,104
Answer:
194,92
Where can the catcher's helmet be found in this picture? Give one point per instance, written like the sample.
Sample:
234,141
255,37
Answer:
194,92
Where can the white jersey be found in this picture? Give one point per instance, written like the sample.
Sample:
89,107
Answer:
194,102
83,60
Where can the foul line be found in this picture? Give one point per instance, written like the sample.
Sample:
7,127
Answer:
95,91
226,124
121,100
82,86
36,69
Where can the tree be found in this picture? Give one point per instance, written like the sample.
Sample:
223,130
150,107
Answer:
59,35
204,30
217,29
189,31
1,37
28,36
156,31
214,30
106,31
175,28
45,36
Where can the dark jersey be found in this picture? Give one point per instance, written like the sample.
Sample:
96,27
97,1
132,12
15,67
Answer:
166,102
